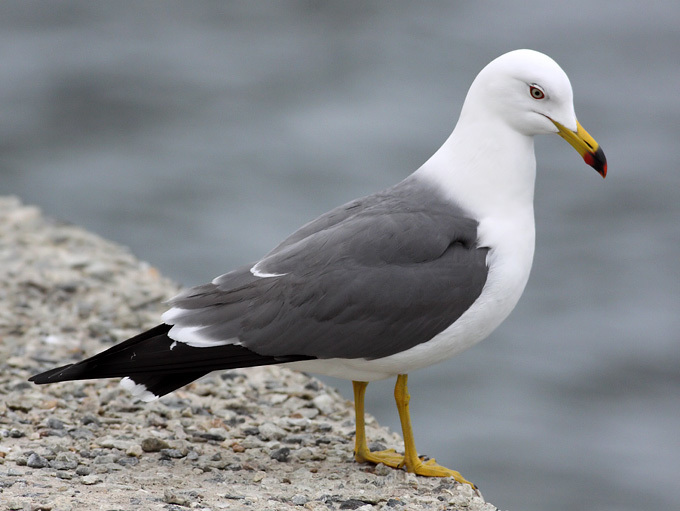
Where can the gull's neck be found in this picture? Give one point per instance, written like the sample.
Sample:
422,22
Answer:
485,166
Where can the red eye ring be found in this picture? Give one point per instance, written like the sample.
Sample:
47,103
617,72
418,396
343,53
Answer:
536,92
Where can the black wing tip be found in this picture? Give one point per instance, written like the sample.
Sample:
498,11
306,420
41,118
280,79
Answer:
51,376
84,369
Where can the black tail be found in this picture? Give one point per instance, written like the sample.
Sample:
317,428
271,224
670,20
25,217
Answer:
160,364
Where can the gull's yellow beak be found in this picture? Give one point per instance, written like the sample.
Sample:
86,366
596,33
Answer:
586,146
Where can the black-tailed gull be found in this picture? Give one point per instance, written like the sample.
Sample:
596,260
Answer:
386,284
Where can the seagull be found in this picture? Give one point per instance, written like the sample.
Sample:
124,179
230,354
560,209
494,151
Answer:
385,284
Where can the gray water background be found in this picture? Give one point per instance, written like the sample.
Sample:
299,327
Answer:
201,133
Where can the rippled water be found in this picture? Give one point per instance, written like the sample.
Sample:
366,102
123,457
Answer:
200,134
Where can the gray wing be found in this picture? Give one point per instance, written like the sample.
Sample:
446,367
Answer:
367,280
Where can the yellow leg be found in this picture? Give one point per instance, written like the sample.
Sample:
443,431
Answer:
389,457
413,463
361,452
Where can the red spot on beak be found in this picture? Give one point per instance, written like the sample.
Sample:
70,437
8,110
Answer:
597,160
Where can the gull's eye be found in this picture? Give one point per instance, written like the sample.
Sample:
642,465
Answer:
536,92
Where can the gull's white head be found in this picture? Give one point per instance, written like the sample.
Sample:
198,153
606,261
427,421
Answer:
526,89
531,93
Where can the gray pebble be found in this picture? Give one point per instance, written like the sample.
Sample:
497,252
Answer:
208,437
91,479
324,403
153,444
56,432
299,439
81,434
353,504
89,419
170,497
128,461
324,427
269,431
377,446
105,458
64,461
6,483
251,442
299,500
308,413
36,461
172,453
281,454
382,470
53,423
313,385
251,431
299,423
109,467
91,454
304,454
83,470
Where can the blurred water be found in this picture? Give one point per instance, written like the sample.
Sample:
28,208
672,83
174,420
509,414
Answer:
200,134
